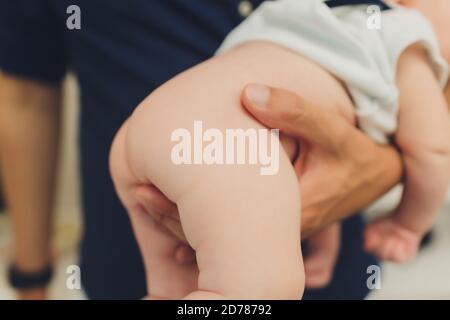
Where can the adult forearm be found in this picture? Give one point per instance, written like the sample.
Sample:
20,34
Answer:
375,170
360,173
29,131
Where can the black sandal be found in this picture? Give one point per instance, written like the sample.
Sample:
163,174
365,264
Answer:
29,280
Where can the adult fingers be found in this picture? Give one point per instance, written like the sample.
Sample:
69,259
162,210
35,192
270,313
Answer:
155,202
284,110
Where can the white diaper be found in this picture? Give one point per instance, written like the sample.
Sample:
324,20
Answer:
339,40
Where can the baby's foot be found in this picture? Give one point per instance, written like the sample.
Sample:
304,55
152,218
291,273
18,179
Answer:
390,240
323,250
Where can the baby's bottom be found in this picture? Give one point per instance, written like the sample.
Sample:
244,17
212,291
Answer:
244,226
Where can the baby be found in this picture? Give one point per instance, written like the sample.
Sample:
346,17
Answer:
244,225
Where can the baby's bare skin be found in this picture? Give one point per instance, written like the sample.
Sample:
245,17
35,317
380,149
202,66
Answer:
422,137
246,234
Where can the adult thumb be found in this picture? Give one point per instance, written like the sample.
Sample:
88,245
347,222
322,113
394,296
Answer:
281,109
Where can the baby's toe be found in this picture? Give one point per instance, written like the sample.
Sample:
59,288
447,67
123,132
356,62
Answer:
372,239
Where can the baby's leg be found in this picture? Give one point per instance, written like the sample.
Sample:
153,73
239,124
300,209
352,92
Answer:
321,256
246,235
166,279
243,225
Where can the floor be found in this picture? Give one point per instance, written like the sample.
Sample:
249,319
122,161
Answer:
67,235
427,277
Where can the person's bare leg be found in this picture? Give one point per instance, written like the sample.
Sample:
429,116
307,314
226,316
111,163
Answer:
244,226
249,247
322,254
29,131
166,278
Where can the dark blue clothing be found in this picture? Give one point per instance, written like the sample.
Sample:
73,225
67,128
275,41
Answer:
340,3
124,50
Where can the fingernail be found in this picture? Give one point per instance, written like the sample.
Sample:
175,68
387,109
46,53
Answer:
258,94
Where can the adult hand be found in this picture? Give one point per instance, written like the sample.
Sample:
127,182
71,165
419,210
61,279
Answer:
340,169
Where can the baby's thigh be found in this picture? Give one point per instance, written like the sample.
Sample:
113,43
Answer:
244,225
245,229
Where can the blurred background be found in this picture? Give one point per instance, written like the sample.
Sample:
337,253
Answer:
427,277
